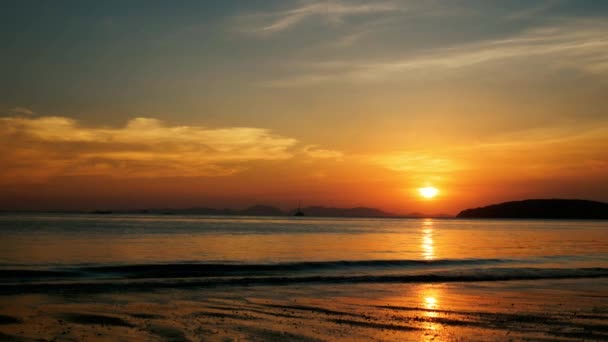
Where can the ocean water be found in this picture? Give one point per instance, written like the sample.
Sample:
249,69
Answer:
415,278
236,250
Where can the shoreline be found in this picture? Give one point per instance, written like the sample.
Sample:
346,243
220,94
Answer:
552,309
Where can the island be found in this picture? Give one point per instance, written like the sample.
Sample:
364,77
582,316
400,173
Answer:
541,209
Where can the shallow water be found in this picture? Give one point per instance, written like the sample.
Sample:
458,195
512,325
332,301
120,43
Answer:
153,277
123,239
43,247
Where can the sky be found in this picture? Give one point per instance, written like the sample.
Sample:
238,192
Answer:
177,104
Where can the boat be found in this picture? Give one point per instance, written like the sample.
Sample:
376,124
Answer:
299,212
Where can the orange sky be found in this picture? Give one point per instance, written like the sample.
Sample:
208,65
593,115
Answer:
331,103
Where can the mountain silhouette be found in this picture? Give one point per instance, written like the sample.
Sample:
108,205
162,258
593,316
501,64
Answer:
541,209
259,210
320,211
256,210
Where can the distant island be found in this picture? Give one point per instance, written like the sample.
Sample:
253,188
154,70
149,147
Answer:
530,208
267,210
541,209
259,210
320,211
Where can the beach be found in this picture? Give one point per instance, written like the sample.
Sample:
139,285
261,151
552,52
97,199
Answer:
154,278
549,310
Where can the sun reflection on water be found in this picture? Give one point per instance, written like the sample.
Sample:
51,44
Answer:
430,302
427,245
429,297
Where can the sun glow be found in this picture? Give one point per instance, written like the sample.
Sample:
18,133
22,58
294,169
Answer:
428,192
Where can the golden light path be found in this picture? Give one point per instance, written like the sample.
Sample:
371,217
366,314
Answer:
427,245
430,300
429,293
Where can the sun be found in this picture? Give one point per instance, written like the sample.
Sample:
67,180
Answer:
428,192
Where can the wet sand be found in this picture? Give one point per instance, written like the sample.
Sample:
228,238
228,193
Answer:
572,309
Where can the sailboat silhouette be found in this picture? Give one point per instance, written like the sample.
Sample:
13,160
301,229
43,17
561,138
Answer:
299,212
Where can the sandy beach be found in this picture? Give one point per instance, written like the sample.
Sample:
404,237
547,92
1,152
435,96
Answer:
516,310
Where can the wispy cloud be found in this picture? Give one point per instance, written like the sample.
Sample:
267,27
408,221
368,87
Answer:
534,9
144,147
584,45
416,162
533,153
22,111
579,45
315,151
331,11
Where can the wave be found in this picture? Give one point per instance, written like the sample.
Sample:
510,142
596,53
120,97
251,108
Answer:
188,270
465,275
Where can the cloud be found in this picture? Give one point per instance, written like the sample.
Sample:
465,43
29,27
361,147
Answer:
314,151
416,161
584,45
532,153
573,44
533,10
22,111
144,147
330,11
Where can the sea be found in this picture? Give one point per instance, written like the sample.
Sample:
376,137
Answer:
174,277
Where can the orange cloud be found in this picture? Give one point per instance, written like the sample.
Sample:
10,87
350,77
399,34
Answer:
47,146
535,154
315,151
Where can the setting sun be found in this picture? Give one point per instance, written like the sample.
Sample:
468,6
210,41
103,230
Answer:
428,192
